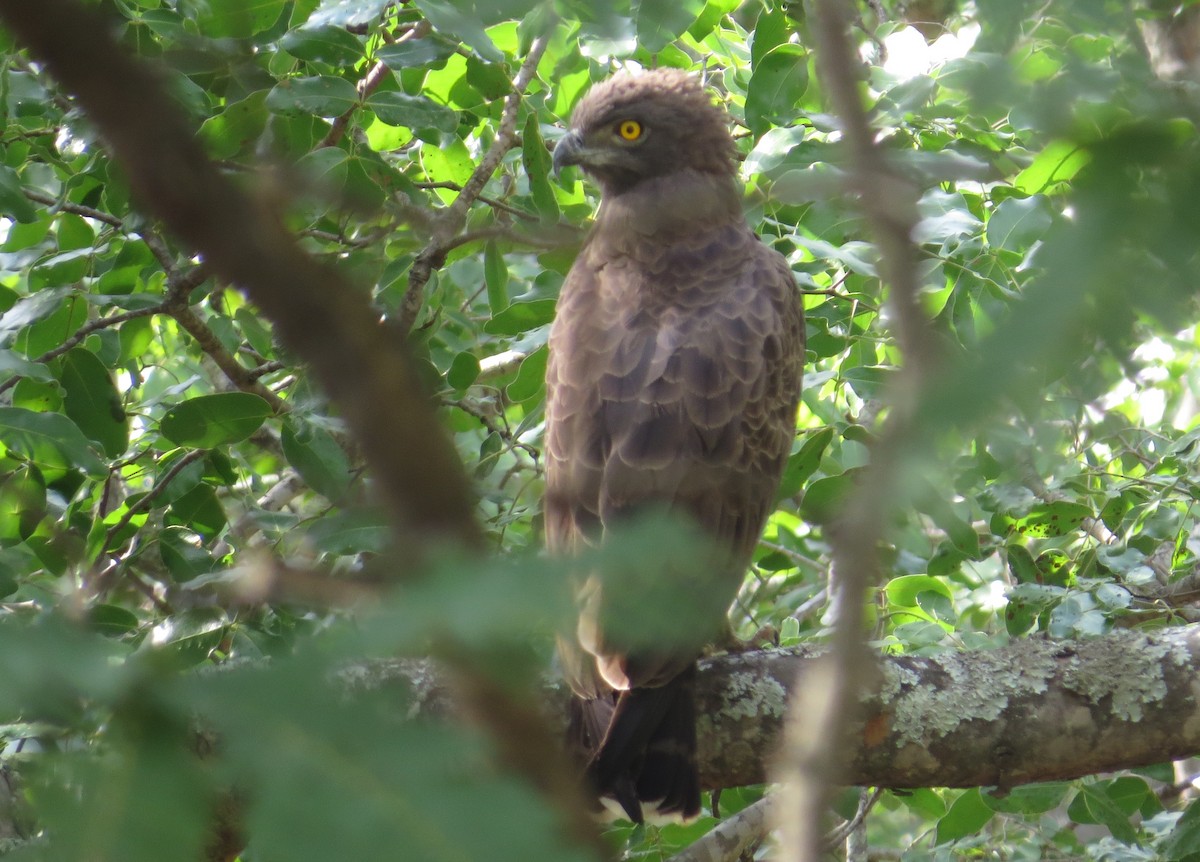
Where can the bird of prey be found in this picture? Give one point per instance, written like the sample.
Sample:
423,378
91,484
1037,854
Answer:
674,374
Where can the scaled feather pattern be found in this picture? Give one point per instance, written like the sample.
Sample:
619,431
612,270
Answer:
676,359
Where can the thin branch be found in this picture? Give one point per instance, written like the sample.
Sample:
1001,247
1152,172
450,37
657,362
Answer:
488,421
82,333
101,583
368,85
490,201
450,222
842,832
76,209
817,743
506,233
239,375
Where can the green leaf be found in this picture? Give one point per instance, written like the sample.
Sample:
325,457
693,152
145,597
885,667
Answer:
183,554
823,499
324,96
14,364
1017,223
1054,567
237,18
869,381
327,168
1056,164
537,162
236,128
1021,564
413,112
463,370
904,590
28,311
73,232
490,80
521,317
1094,803
347,13
531,377
1185,836
660,22
200,511
13,202
22,504
50,440
353,532
317,457
1029,798
414,53
776,85
453,19
1052,519
495,275
325,43
966,816
92,401
804,462
770,30
214,420
112,620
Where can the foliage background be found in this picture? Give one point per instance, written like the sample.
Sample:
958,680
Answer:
171,478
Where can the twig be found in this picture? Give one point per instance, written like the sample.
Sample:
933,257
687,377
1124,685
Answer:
239,375
76,209
816,743
101,583
369,85
842,832
490,201
450,222
502,232
82,333
488,422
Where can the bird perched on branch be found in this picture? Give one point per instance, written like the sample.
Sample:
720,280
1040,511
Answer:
674,373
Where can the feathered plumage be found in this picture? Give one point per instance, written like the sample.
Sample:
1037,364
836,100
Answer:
674,373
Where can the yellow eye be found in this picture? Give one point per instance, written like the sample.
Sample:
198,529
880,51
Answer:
630,130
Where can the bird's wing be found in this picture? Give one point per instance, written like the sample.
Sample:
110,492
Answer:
687,402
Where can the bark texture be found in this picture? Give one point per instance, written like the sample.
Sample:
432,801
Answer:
1035,710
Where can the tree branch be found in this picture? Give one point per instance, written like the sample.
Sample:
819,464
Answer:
1033,710
369,84
731,837
450,222
245,379
815,749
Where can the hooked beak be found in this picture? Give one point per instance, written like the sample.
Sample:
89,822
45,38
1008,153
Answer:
567,151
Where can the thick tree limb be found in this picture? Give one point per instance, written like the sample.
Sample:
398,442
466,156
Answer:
1034,710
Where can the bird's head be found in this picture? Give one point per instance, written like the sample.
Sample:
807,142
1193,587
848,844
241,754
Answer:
632,128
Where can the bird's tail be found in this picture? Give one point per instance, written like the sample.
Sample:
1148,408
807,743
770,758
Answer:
643,749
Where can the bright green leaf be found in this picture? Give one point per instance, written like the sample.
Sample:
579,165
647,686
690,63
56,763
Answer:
324,96
776,86
214,420
92,401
